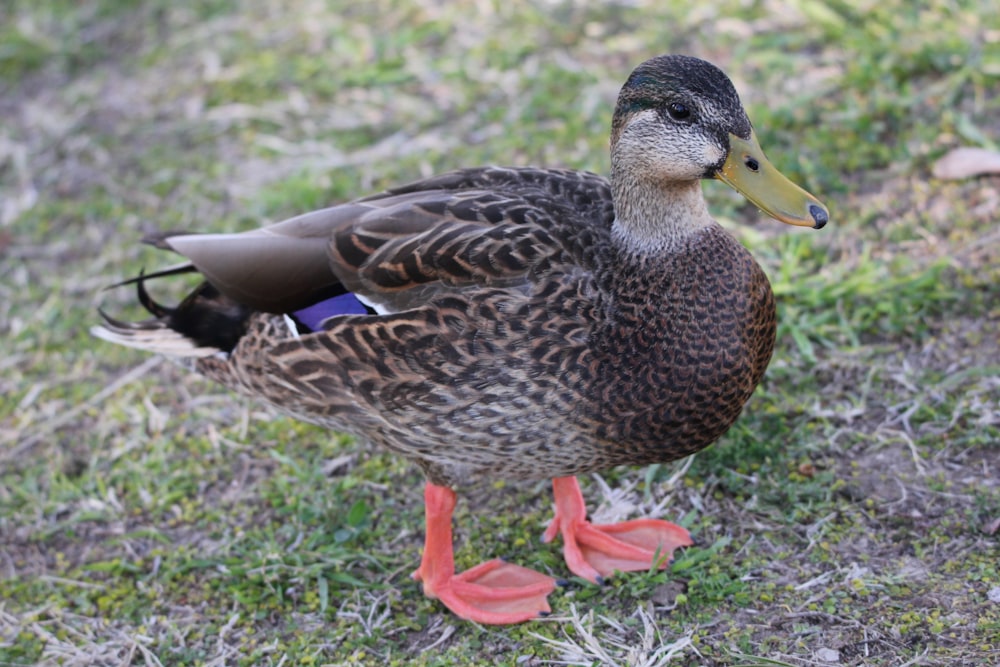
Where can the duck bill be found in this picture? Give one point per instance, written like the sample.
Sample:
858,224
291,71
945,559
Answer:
747,171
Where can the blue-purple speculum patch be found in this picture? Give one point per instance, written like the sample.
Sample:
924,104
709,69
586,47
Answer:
344,304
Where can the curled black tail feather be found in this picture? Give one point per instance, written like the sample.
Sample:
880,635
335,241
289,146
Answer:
206,317
147,301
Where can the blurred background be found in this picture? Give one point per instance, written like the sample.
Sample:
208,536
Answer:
149,517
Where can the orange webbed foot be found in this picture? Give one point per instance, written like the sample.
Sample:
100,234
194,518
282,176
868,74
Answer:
595,551
494,592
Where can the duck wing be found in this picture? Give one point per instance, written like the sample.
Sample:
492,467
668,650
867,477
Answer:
493,227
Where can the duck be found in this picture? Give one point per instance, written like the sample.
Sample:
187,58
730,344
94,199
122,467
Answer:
502,323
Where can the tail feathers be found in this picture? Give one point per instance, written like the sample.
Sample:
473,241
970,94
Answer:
204,323
152,336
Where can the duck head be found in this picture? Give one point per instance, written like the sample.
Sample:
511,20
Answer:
679,120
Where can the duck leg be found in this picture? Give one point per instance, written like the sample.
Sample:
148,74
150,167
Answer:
595,551
494,592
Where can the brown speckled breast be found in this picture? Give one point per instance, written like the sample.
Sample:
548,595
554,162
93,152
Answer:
675,372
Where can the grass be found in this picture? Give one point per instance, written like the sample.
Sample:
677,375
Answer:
149,517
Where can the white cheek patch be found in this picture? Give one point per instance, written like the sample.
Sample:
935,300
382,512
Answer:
712,153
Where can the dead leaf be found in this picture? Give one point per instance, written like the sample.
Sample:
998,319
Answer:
991,527
966,162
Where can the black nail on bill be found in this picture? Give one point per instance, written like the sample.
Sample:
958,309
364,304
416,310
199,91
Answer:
819,216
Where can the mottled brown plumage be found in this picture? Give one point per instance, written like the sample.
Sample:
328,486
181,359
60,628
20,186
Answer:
525,323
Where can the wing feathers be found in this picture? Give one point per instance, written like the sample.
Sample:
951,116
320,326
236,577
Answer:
493,226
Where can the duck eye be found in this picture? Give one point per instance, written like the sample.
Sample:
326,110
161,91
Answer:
678,111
